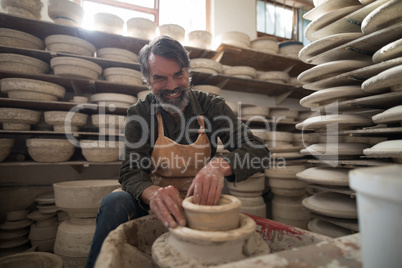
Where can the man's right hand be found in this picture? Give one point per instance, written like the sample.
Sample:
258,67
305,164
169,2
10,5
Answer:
166,204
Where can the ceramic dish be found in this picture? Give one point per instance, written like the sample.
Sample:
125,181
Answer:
330,69
325,176
383,81
332,204
349,23
329,17
386,149
324,44
391,115
355,77
342,120
390,51
329,95
326,7
328,229
360,48
335,150
382,17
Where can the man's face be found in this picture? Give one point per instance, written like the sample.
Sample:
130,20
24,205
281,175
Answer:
169,83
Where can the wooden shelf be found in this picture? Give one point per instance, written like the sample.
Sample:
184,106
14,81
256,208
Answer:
249,85
99,39
68,163
370,131
48,132
88,108
231,55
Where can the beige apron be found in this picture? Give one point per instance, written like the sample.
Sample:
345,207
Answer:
176,164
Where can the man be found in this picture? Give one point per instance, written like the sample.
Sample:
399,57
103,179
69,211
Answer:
171,137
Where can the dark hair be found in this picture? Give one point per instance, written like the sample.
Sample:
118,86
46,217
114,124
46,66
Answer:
166,47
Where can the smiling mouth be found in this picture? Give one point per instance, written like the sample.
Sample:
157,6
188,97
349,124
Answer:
172,94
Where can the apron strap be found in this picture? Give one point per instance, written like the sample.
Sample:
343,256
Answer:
161,131
200,120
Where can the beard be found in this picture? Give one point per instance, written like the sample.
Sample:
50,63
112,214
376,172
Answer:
175,105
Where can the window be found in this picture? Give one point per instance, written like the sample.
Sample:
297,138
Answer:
190,14
276,19
125,9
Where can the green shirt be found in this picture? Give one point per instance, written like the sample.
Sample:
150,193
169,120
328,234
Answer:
141,132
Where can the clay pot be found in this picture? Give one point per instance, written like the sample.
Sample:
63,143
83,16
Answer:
125,76
18,119
209,89
141,28
23,64
200,39
30,9
222,217
63,121
107,22
5,148
65,12
14,38
69,44
32,260
50,150
173,30
22,88
75,68
101,151
117,54
117,99
81,199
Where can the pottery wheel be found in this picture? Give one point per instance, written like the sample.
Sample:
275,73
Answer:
332,204
185,247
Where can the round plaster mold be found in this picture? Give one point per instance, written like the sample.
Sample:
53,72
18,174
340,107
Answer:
22,64
50,150
235,38
107,22
206,64
325,176
390,51
266,44
332,204
208,88
15,38
69,44
65,121
117,54
343,121
75,68
23,88
117,99
392,115
30,9
82,198
383,16
382,82
141,28
31,259
335,150
18,119
101,151
386,149
121,75
200,39
65,12
173,30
